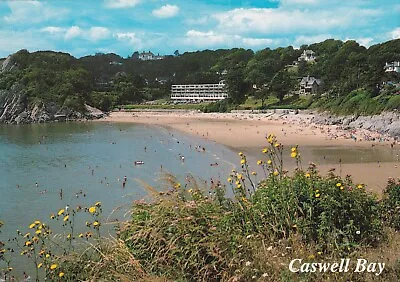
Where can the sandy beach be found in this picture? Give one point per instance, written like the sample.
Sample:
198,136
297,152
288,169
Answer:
246,132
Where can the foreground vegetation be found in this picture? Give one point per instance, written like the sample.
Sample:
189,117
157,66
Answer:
194,233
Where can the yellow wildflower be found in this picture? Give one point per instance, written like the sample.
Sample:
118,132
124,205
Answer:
190,190
61,274
96,223
60,212
240,176
47,255
359,186
38,231
53,266
10,269
259,162
37,222
229,179
269,162
239,186
341,187
27,235
311,257
28,243
32,225
317,191
92,209
308,175
66,217
293,155
319,253
265,150
276,173
80,235
41,252
317,195
35,239
338,184
294,149
237,182
240,154
254,173
39,265
98,204
243,161
52,216
277,145
69,236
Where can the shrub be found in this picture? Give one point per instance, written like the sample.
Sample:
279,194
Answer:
391,204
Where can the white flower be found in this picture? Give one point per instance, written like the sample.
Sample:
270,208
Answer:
265,275
248,263
358,232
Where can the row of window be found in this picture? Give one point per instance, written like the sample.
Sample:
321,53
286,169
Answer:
200,96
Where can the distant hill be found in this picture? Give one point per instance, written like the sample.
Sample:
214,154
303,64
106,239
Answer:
63,84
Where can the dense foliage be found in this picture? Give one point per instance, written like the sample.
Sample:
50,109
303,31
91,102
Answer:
351,76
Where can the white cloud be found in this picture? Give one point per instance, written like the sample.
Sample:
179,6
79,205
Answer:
304,39
166,11
131,38
118,4
278,21
395,34
298,2
197,21
365,41
11,41
73,31
212,39
32,12
97,33
53,29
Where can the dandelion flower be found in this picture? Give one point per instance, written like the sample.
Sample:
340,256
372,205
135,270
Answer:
338,184
259,162
28,243
92,209
239,186
53,266
39,265
240,154
229,179
240,176
47,255
243,161
32,225
38,231
308,175
265,150
317,195
69,236
277,145
269,162
37,222
276,173
294,149
359,186
293,155
96,223
319,253
341,188
66,217
61,274
60,212
80,235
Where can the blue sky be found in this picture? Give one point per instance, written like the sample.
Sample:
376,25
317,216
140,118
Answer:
84,27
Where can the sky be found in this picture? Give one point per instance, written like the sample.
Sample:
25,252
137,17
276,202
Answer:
86,27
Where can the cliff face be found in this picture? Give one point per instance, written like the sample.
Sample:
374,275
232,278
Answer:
15,107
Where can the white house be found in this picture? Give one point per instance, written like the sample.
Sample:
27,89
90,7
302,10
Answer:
198,92
308,56
392,67
309,84
149,56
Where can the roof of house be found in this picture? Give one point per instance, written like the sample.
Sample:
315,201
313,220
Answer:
309,80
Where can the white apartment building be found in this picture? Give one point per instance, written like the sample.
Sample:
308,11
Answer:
308,56
198,92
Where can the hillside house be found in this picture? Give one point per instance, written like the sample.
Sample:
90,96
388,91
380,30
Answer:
392,67
308,56
149,56
309,85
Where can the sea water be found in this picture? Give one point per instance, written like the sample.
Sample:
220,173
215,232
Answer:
88,162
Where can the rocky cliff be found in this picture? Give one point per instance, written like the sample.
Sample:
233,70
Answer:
15,106
385,123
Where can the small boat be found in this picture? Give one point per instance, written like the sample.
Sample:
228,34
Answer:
139,162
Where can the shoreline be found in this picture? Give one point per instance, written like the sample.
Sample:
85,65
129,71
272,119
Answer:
246,132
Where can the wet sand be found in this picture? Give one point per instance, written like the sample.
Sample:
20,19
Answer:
369,162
